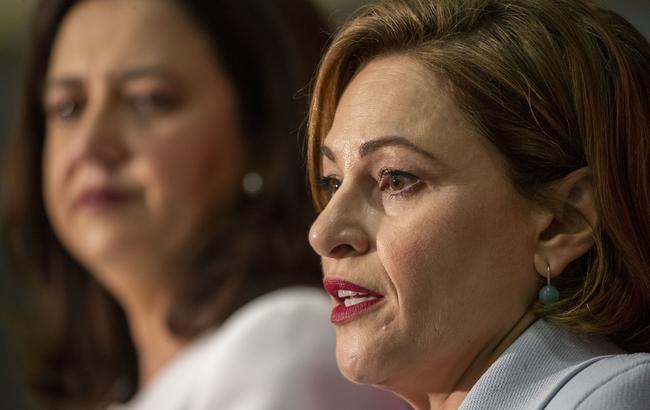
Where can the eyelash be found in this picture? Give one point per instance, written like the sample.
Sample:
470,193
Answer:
65,110
151,103
387,176
146,104
328,185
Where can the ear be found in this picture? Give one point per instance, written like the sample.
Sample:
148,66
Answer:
566,232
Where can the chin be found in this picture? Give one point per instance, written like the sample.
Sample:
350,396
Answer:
363,365
103,247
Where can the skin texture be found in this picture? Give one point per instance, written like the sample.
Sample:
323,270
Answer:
438,230
145,111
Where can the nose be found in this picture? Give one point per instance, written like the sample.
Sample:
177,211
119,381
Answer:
339,231
102,141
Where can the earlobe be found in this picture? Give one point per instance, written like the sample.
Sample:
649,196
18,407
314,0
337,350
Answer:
567,232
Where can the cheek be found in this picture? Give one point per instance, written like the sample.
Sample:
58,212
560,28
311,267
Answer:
420,259
421,247
192,165
53,175
450,257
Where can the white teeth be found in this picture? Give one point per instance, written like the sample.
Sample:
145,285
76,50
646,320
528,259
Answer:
349,293
351,298
355,301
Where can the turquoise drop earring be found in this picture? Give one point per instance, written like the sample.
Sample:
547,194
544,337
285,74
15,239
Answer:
548,294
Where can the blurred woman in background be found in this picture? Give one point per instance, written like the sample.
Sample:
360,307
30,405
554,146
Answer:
154,194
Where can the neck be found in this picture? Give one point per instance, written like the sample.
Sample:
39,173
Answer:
155,344
146,300
453,398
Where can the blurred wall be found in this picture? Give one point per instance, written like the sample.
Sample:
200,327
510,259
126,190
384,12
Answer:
14,15
636,11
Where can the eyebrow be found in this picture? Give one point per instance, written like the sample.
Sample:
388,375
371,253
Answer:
62,82
72,81
146,71
371,146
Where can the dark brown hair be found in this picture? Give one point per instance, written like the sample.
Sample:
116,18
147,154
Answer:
555,85
269,50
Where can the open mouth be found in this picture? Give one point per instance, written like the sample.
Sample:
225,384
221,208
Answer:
352,299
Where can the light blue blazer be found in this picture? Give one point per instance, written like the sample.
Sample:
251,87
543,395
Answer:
551,368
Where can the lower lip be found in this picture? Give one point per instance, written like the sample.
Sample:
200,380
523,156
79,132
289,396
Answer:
342,314
102,199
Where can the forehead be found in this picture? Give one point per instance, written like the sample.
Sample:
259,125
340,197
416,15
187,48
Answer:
397,96
101,33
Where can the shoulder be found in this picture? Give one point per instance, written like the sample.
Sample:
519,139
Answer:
278,352
617,381
288,323
281,313
295,301
555,368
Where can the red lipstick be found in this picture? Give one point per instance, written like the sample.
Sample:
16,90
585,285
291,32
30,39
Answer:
353,300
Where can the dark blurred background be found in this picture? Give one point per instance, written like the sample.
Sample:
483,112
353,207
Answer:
14,17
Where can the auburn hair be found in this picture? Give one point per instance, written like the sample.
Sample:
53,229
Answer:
555,85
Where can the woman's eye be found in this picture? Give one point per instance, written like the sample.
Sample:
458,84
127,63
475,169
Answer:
398,183
65,110
329,185
151,103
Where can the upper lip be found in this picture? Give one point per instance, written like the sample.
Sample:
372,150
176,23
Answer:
333,285
106,192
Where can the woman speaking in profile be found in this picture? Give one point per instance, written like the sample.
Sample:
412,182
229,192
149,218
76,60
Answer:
482,169
154,193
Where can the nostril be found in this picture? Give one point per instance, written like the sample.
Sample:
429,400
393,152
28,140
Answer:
340,251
